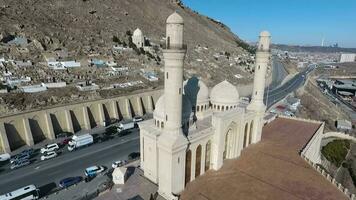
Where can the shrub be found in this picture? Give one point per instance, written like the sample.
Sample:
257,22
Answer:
336,151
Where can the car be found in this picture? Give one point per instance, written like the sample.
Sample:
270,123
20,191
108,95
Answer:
19,157
27,151
19,164
93,170
137,119
118,163
5,157
49,155
64,183
50,147
66,141
133,155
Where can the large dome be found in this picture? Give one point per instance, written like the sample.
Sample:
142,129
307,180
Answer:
196,90
137,32
175,18
224,93
159,112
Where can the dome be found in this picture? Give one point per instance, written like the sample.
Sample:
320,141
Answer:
196,90
159,112
137,32
265,34
224,93
175,18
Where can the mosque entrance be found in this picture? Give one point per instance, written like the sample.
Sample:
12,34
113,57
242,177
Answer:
228,145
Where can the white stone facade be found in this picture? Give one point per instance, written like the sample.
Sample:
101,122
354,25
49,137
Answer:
195,129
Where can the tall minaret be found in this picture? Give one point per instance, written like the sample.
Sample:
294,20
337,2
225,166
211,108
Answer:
174,55
172,143
256,104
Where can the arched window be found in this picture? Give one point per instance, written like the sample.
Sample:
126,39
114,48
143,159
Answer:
218,107
245,135
205,107
188,160
197,161
201,108
227,107
162,125
227,148
222,108
214,106
207,155
197,108
250,136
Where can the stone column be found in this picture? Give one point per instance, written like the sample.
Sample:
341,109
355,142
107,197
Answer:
202,162
149,104
101,114
3,138
27,131
139,105
86,118
114,109
69,122
192,166
128,109
49,126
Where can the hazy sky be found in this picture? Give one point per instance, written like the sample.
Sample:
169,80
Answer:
303,22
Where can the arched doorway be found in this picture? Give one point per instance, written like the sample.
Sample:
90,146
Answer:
245,135
207,155
250,135
198,161
228,144
188,161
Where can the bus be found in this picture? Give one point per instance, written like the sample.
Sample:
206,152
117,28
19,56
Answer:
26,193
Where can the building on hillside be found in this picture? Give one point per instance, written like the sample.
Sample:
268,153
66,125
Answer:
138,39
56,65
347,57
194,130
343,125
87,86
33,88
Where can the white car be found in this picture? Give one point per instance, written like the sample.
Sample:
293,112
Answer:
119,163
94,170
50,147
49,155
4,157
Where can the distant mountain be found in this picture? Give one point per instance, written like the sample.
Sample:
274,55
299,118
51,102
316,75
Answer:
296,48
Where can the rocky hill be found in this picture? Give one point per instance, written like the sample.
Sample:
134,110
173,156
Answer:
88,27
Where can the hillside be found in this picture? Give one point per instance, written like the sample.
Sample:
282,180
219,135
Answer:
86,29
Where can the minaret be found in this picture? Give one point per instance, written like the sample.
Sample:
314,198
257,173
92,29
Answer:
174,55
256,104
172,143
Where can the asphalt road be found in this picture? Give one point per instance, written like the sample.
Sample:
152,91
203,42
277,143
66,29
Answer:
274,95
278,73
70,164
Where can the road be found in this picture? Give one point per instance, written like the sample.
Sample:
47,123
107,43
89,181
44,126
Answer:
70,164
276,94
278,73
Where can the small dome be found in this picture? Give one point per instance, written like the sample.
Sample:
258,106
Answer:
137,32
196,90
265,34
224,93
159,112
175,18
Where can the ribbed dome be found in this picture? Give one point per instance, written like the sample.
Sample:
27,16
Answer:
159,112
196,90
175,18
137,32
265,34
224,93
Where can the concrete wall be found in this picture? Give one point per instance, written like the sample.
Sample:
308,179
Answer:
32,127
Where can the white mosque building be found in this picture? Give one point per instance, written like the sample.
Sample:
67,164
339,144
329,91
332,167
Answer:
138,39
195,129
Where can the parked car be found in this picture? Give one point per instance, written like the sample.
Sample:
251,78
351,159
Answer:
66,141
28,151
19,164
133,155
50,147
49,155
70,181
5,157
93,171
19,157
137,119
118,163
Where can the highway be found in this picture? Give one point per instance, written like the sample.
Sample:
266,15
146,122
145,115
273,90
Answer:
70,164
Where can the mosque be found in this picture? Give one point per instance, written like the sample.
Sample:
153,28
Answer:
193,128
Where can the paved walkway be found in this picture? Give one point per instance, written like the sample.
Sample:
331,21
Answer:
269,170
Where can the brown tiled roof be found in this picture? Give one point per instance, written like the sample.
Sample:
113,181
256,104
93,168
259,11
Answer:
268,170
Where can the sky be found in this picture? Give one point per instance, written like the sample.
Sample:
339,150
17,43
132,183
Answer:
299,22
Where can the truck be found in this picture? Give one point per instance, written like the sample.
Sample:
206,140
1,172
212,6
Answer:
80,141
125,125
